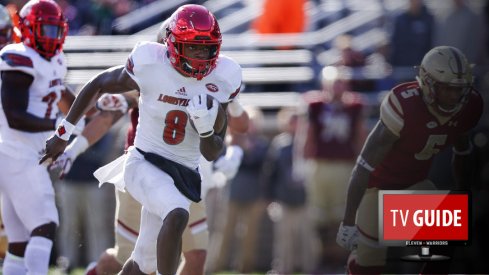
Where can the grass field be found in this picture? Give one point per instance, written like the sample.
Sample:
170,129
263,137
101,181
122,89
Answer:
80,272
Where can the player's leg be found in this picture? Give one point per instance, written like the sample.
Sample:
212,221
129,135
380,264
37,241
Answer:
195,242
156,191
32,197
333,175
18,238
370,256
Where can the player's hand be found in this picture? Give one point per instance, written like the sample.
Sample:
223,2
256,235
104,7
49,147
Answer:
202,117
112,102
54,147
63,163
347,237
229,163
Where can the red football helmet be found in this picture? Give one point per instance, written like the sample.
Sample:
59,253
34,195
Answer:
6,27
43,27
193,25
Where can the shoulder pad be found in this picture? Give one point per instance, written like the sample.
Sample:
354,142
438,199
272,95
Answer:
144,53
16,57
230,73
391,113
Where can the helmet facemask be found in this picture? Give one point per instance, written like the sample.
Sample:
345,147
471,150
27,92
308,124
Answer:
49,36
194,66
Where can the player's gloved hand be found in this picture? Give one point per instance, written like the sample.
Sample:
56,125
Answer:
229,163
112,102
203,118
347,237
63,163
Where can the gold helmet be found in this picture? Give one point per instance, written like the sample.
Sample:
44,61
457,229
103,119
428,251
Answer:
445,67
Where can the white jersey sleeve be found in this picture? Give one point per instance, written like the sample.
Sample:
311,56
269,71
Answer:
142,54
229,75
391,113
15,57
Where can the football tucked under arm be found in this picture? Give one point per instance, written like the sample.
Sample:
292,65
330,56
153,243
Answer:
221,117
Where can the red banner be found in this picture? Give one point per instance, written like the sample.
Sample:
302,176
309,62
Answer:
425,217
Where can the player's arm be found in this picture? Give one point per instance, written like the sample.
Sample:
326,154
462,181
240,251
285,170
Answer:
379,142
211,147
67,98
238,117
460,162
112,108
15,99
112,80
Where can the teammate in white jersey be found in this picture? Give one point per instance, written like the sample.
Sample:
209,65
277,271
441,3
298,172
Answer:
32,93
6,29
174,81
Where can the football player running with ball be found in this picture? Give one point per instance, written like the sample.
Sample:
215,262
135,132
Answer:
160,171
417,120
195,240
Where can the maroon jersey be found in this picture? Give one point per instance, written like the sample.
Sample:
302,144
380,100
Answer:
332,127
131,130
421,135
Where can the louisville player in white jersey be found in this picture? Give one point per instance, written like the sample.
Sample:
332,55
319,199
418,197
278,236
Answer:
6,29
173,80
417,120
33,93
128,210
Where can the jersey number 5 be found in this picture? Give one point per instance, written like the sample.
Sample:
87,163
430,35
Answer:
174,131
430,147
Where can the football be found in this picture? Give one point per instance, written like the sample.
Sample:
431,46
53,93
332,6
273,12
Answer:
220,118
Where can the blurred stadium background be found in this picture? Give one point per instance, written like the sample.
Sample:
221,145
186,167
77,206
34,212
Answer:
277,68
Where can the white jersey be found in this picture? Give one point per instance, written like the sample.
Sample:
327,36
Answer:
44,95
163,126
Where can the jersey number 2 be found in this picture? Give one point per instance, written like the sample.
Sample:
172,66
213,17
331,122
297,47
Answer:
174,131
49,99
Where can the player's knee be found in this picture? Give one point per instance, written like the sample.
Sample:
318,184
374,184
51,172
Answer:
177,220
47,231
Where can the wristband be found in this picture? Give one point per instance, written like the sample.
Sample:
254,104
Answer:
78,145
206,135
64,130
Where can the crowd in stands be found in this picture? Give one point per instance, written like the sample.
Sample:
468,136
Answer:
93,17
